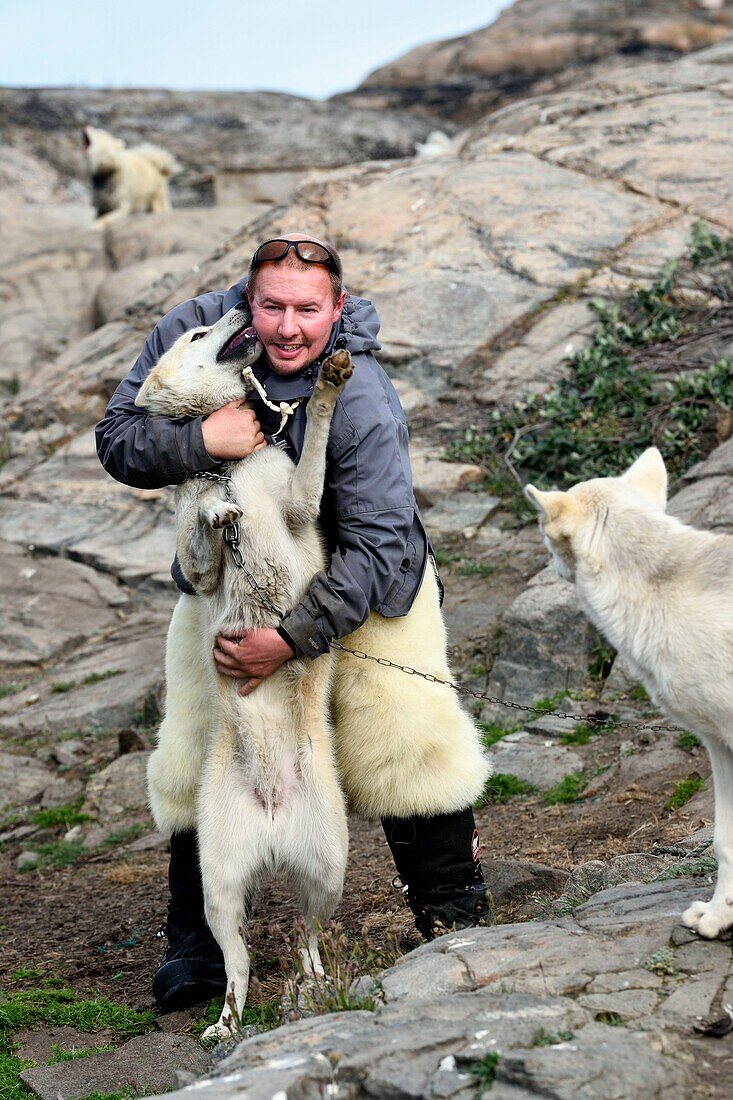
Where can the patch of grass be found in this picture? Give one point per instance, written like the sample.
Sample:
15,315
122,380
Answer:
552,1038
57,816
639,694
53,1005
501,787
125,836
663,963
687,741
683,792
568,789
485,1070
612,1019
62,686
612,404
491,732
11,689
469,568
60,1055
25,973
96,677
548,703
580,734
59,853
602,656
266,1015
702,866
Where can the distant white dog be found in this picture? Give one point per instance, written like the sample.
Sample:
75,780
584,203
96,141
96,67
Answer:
662,593
126,181
269,797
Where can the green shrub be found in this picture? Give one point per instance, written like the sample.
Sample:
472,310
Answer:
501,787
612,404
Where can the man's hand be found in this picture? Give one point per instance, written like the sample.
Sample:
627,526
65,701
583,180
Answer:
252,657
232,432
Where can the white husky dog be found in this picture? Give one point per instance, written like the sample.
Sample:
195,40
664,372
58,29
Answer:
126,181
269,796
662,593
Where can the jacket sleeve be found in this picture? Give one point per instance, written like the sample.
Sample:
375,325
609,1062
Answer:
369,486
146,451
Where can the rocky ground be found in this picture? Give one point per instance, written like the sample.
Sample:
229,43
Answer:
482,263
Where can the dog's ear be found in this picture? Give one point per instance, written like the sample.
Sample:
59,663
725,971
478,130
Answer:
549,505
648,475
151,384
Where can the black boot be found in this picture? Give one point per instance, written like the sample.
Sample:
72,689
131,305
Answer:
437,863
193,966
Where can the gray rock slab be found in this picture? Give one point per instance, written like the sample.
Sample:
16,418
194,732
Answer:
38,1046
120,788
109,684
541,762
601,1063
546,644
22,778
146,1064
51,605
121,289
461,514
595,875
526,992
511,879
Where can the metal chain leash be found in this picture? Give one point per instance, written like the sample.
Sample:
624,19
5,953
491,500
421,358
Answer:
541,712
230,534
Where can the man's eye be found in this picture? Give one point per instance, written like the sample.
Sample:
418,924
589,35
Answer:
197,336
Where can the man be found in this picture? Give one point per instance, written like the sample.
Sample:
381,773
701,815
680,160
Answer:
379,551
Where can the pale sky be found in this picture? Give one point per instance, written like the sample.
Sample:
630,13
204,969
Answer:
307,47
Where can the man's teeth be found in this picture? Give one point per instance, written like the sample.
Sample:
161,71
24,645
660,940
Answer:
289,347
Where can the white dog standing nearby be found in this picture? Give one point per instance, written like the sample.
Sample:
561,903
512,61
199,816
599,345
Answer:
126,181
662,593
269,797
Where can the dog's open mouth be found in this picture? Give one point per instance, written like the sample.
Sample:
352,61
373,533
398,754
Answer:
242,341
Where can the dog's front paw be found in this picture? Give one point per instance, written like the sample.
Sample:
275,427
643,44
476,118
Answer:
337,369
218,1032
222,513
709,918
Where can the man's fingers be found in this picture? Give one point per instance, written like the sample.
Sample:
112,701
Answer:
227,645
235,673
248,688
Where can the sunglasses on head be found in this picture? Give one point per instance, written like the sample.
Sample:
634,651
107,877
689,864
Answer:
308,251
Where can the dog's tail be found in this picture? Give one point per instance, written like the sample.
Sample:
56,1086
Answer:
166,164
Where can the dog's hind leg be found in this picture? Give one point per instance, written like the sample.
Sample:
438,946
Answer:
710,918
232,845
310,473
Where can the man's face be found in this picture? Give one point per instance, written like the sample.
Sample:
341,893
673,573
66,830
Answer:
293,312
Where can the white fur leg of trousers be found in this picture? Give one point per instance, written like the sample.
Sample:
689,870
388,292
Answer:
403,745
175,768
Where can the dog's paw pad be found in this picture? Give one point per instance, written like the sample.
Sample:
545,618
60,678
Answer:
224,513
337,369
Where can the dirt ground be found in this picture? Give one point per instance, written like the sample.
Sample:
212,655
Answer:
95,923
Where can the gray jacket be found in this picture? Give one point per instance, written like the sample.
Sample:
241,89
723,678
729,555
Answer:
372,525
